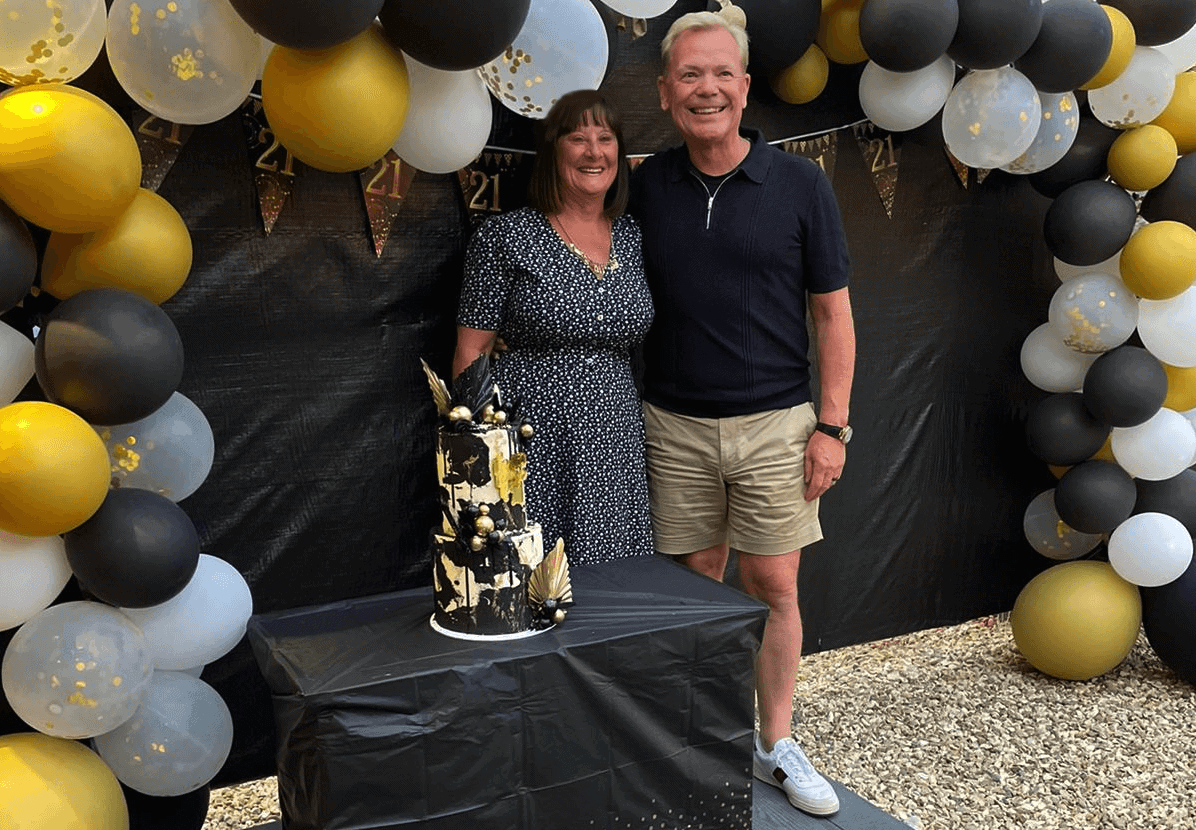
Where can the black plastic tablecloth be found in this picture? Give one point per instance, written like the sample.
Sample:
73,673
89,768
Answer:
637,711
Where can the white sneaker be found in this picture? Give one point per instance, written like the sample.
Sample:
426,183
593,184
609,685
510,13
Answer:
788,769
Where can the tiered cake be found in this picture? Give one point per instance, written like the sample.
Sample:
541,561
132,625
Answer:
490,575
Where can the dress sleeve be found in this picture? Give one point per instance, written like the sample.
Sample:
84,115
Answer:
488,278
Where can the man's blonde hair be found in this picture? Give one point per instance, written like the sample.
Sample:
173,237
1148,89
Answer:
701,20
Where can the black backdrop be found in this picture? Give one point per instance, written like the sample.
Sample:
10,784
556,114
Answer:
302,349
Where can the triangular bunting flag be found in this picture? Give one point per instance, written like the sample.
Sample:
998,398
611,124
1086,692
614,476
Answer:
961,169
982,174
821,150
384,185
495,183
273,165
159,143
882,152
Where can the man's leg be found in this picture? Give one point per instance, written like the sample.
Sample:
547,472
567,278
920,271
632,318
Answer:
773,580
712,562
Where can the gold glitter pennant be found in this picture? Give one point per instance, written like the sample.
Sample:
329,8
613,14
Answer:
961,169
159,143
821,150
273,165
882,151
384,185
982,174
495,182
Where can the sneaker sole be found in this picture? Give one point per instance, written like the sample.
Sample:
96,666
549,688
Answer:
812,808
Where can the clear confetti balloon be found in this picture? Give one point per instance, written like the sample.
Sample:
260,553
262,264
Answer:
178,739
991,117
186,61
1050,535
1093,313
1056,133
1139,94
76,670
44,42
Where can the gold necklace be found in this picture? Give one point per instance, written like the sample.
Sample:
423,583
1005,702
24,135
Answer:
598,269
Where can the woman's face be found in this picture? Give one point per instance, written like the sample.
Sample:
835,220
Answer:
587,161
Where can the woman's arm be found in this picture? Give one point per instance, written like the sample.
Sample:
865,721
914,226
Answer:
470,344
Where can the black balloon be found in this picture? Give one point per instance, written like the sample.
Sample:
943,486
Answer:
1175,497
1157,21
307,24
993,33
907,35
453,34
1060,430
1073,44
1089,222
18,258
109,355
139,549
1175,198
180,812
780,31
1095,496
1125,386
1169,618
1085,159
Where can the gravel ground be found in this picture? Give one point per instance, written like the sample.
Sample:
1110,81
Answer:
951,729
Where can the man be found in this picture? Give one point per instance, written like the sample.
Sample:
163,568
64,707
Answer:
737,235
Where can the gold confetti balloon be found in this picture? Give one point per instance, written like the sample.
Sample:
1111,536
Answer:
185,61
50,170
44,42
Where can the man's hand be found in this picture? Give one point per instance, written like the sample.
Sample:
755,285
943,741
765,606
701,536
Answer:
825,457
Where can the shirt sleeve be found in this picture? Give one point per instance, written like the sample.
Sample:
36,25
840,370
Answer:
828,265
488,278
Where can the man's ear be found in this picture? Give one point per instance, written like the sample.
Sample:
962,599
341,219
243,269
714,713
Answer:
660,91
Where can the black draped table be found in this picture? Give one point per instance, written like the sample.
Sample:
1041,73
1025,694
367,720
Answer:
636,712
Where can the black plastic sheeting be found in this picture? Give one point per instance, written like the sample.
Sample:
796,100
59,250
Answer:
302,349
641,700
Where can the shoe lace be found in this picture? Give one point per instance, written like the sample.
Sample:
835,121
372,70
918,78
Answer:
791,758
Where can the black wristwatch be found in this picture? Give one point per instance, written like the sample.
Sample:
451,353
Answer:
843,433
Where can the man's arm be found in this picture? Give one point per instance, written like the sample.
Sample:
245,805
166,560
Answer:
835,333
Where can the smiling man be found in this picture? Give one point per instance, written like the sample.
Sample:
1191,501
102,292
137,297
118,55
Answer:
738,238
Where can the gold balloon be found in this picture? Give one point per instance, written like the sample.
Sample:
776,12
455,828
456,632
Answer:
1057,471
1179,118
1122,50
1142,158
1181,388
1105,453
1159,261
53,469
57,784
839,31
146,251
67,161
337,109
804,80
1076,620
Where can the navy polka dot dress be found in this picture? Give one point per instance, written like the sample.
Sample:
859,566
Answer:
569,337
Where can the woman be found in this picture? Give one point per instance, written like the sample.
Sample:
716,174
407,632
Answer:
562,283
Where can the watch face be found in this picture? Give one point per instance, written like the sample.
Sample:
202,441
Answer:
845,434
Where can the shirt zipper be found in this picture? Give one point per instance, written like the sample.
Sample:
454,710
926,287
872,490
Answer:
710,196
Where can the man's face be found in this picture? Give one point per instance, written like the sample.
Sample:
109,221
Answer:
705,88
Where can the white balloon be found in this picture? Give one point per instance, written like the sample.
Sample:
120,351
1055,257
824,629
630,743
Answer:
201,623
170,451
1167,328
192,62
1050,535
1050,365
1066,271
49,42
1150,549
1093,313
1139,93
177,740
448,118
899,101
991,117
641,8
1056,133
561,47
1157,449
17,363
1181,51
35,570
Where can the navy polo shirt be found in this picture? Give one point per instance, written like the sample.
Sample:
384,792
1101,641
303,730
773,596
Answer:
729,270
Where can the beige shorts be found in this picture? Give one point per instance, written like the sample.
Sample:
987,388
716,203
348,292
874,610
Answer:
737,480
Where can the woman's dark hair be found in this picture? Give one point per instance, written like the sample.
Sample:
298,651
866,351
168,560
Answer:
572,110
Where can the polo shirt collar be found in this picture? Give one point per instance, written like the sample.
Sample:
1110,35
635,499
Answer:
754,165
